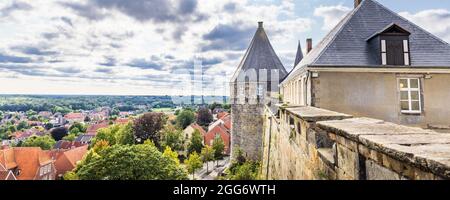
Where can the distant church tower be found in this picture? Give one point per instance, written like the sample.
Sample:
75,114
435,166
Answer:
253,85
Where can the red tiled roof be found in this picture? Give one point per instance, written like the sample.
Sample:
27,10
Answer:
199,128
122,121
224,133
74,116
222,114
27,159
92,129
67,160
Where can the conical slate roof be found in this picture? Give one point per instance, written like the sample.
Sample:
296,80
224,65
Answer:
347,44
260,55
299,56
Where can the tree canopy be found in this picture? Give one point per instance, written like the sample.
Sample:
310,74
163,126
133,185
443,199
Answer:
45,142
185,118
148,126
172,138
58,133
193,163
219,147
129,162
204,116
207,155
196,143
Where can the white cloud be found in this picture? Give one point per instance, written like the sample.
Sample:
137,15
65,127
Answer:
436,21
331,15
94,48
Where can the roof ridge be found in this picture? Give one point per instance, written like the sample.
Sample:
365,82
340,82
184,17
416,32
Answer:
410,23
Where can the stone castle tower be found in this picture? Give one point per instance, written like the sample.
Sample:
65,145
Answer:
254,85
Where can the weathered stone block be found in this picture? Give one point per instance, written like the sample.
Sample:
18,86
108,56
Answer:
348,161
378,172
347,143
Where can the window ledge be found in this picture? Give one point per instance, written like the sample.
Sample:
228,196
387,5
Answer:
411,112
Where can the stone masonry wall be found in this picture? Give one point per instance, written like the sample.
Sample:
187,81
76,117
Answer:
246,129
307,143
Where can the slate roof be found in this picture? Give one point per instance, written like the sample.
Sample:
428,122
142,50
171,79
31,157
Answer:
260,55
299,56
346,45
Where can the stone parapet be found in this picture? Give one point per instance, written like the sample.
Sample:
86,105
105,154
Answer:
313,143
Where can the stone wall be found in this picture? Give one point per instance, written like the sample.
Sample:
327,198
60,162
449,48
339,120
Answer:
313,144
246,129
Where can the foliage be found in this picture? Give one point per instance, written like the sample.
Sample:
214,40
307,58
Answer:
185,118
22,125
172,138
129,162
70,176
67,104
204,117
148,126
71,137
125,134
196,143
81,127
58,133
245,171
207,155
193,163
107,134
218,147
171,154
45,142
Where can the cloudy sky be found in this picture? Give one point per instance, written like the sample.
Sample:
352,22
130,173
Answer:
150,47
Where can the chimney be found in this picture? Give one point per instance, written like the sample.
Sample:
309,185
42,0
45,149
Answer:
260,24
357,2
308,45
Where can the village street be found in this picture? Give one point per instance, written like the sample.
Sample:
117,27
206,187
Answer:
214,170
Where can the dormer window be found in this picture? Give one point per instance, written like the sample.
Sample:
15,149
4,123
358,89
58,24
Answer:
393,45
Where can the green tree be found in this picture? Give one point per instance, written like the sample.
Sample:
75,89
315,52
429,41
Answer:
74,131
77,125
148,126
129,162
12,128
204,117
193,163
107,134
125,135
171,154
58,133
22,125
196,143
207,155
45,142
185,118
218,147
71,137
173,138
246,171
30,113
70,176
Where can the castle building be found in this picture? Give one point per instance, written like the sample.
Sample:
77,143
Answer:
377,64
253,85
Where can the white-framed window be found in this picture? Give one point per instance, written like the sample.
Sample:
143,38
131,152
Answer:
410,95
383,52
406,52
